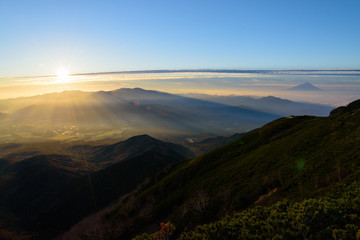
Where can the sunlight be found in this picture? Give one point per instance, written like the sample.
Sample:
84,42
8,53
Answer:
62,76
62,73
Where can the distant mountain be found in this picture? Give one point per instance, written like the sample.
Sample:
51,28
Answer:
269,104
151,97
291,158
45,194
76,115
305,87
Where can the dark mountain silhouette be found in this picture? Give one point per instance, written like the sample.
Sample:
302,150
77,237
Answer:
45,194
305,87
291,158
136,146
29,188
4,164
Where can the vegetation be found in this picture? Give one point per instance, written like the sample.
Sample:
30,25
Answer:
291,159
165,233
332,217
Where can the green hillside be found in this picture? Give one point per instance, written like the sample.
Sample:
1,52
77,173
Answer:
333,217
293,158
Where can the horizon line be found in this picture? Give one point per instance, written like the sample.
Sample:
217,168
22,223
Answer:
193,71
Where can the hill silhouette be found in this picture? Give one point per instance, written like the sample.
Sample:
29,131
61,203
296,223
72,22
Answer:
45,194
136,146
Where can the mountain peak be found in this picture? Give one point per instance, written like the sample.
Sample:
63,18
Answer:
138,145
141,137
305,87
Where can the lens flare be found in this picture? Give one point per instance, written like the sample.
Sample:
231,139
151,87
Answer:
300,165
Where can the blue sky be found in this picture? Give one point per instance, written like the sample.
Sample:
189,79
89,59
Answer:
39,37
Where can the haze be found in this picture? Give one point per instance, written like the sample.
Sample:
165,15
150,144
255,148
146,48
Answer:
339,87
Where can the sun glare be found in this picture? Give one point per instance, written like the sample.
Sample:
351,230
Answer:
62,75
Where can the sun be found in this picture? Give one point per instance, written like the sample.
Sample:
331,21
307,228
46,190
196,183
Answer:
62,75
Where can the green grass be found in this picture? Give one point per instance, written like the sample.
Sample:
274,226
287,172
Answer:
300,157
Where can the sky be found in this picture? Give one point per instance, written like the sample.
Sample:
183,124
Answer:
39,37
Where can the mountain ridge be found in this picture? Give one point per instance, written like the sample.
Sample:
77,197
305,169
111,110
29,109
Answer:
123,112
271,104
295,158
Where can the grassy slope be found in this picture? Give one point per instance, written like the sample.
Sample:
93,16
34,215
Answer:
300,157
336,216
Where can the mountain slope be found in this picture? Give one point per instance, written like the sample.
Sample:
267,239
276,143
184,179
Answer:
335,216
352,108
44,195
291,158
203,146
